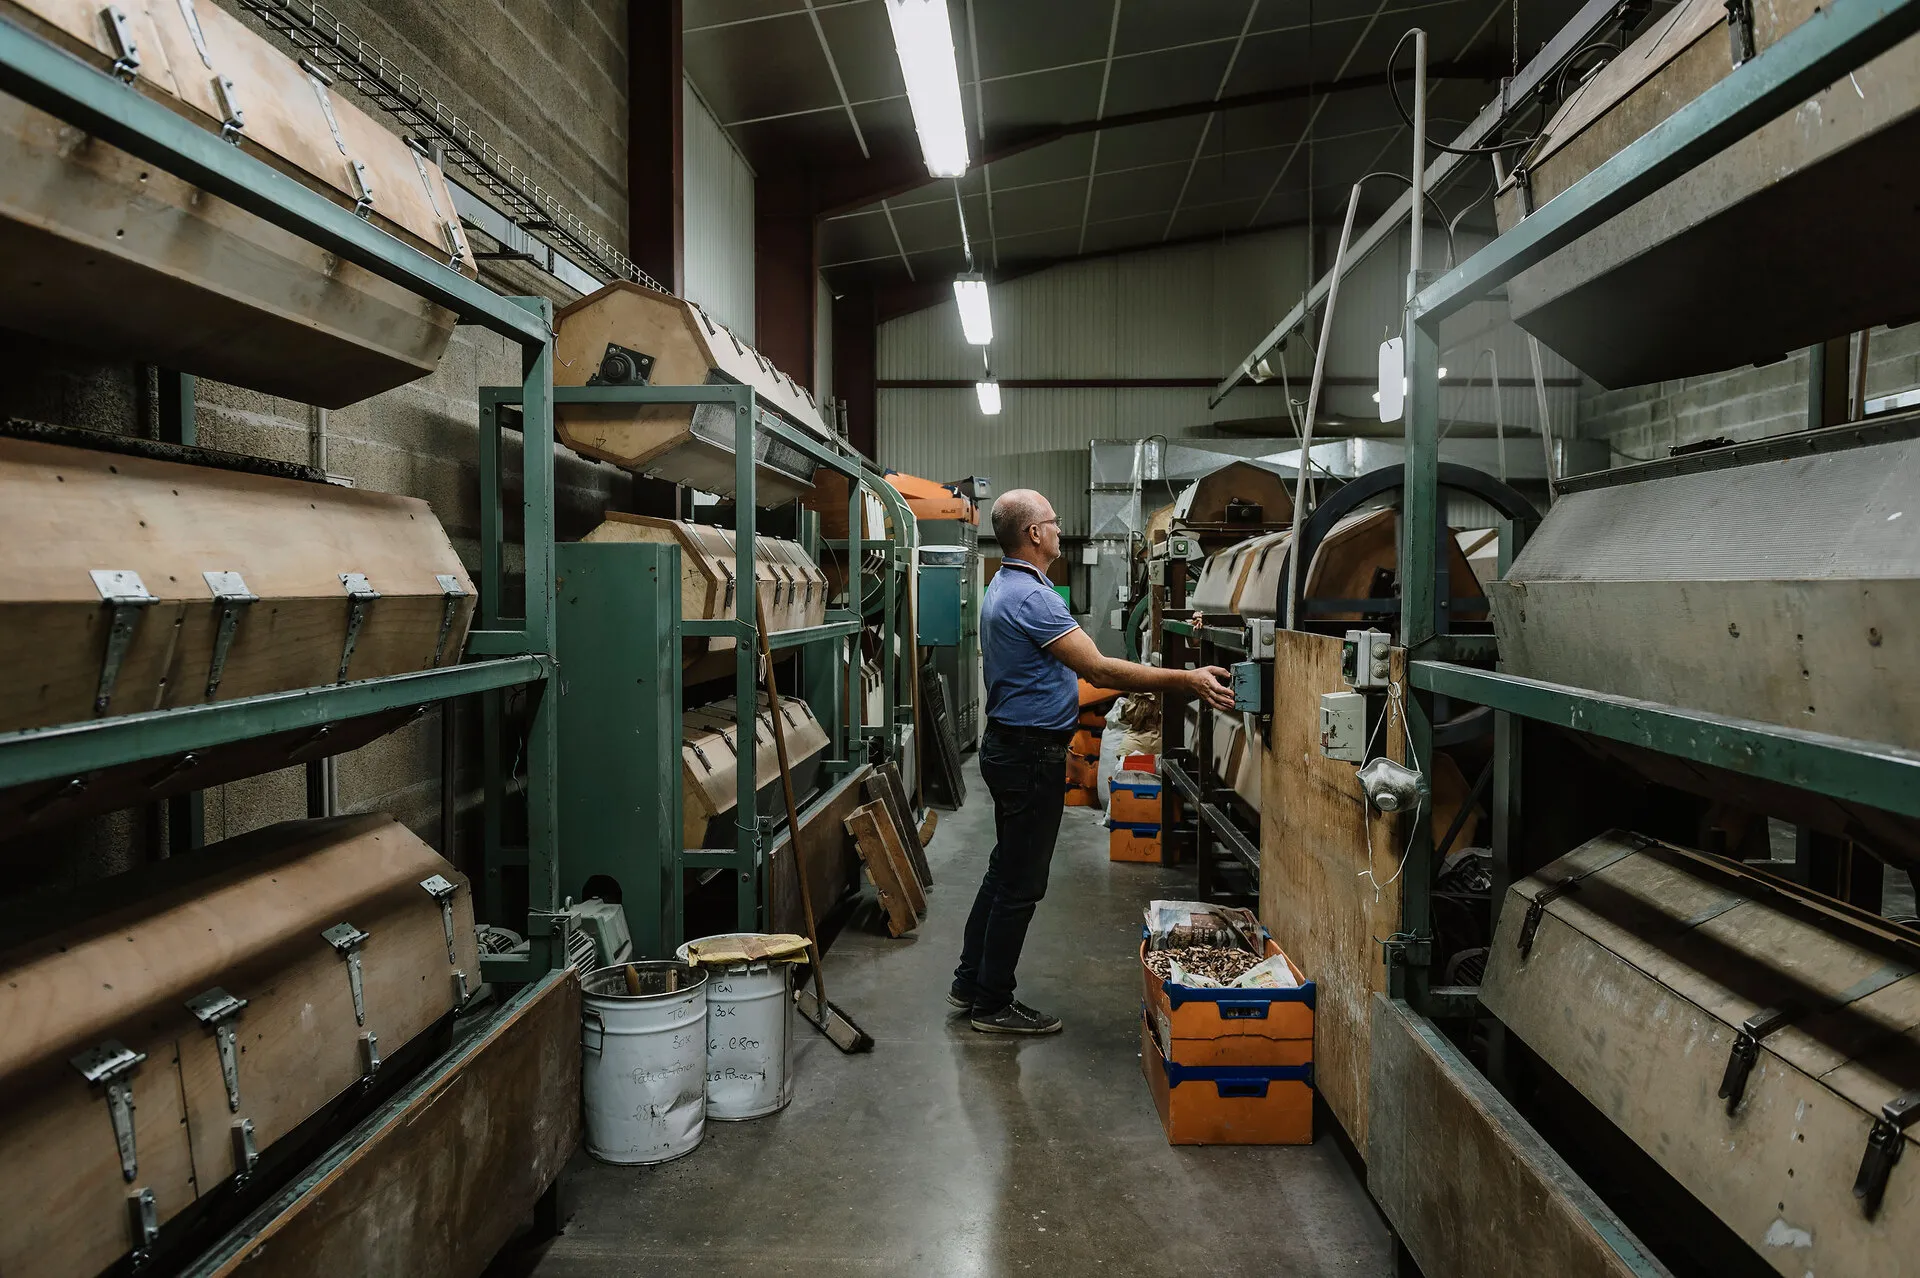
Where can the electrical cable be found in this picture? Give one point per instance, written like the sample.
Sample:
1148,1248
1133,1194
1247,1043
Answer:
1394,707
1393,88
1401,177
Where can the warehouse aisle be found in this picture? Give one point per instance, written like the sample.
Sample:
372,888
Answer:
950,1152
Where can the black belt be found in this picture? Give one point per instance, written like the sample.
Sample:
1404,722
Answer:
1052,736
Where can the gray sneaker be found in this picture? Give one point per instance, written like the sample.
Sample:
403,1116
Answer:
1016,1018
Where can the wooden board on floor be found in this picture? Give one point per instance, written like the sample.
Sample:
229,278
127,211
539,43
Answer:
827,855
443,1175
871,827
885,786
1313,850
1470,1188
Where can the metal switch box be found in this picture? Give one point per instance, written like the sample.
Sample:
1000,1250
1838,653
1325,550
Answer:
1249,689
1343,726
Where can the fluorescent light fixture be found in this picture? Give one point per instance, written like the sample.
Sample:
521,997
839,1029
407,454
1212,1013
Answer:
976,317
989,392
924,41
1443,370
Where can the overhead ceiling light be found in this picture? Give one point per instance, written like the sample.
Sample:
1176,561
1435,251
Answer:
924,41
976,317
989,392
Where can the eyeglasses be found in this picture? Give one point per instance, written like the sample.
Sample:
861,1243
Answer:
1055,521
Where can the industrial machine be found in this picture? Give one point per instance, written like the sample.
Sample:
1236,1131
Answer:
100,248
1691,280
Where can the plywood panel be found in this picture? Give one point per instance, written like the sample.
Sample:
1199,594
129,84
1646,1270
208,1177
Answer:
1314,829
1471,1189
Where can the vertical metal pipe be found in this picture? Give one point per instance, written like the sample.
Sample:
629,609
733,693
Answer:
1313,406
1417,212
1857,403
1499,414
1546,419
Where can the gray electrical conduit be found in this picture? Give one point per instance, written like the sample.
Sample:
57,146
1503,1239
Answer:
1305,465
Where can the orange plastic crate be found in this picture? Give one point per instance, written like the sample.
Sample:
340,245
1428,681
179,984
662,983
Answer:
1082,771
1228,1104
1085,741
1134,843
1134,802
1082,796
1231,1026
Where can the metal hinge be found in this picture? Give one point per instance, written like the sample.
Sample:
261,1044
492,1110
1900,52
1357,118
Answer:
346,939
320,80
111,1066
125,596
1746,1050
360,187
192,18
246,1156
126,50
226,95
231,595
1740,30
143,1219
1537,909
217,1010
1884,1144
369,1056
460,991
441,889
360,597
451,591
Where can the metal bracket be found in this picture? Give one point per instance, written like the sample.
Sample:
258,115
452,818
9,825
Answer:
360,187
111,1065
346,939
125,595
245,1155
460,991
226,95
192,18
1740,30
144,1219
231,594
320,80
369,1056
360,597
1746,1050
1884,1144
456,242
699,754
441,889
1537,909
450,589
217,1010
1406,949
126,51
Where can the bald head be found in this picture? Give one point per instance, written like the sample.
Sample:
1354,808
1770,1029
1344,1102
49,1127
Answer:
1014,514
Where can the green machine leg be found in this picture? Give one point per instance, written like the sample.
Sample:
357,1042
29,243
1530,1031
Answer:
618,729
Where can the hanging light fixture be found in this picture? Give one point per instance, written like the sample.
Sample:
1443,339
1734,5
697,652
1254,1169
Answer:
989,393
976,316
923,38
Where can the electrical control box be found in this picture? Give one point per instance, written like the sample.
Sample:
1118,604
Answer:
1180,546
1366,659
1260,643
1249,688
1343,726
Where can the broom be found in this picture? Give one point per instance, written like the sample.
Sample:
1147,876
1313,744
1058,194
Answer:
813,1004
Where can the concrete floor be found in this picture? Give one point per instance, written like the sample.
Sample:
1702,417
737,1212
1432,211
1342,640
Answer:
946,1151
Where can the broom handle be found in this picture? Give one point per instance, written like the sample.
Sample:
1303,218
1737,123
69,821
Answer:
793,813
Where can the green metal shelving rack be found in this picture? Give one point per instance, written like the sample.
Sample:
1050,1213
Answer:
618,711
1840,37
503,652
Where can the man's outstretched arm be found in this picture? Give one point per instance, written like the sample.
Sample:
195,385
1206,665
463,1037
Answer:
1076,650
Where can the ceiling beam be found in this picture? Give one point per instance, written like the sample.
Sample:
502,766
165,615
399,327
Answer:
885,180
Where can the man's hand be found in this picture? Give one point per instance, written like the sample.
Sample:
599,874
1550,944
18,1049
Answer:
1211,685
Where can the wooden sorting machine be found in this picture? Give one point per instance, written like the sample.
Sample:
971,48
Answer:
627,335
108,252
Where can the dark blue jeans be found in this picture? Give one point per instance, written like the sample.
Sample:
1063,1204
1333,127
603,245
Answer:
1028,779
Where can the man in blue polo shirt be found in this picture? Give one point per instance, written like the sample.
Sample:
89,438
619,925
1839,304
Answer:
1035,655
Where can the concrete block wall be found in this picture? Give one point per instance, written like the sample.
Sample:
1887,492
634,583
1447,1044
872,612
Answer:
544,82
1644,422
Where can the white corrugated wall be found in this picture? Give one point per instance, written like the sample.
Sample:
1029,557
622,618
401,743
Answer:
1188,312
718,215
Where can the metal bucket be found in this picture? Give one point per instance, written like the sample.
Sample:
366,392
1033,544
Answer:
749,1038
643,1062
